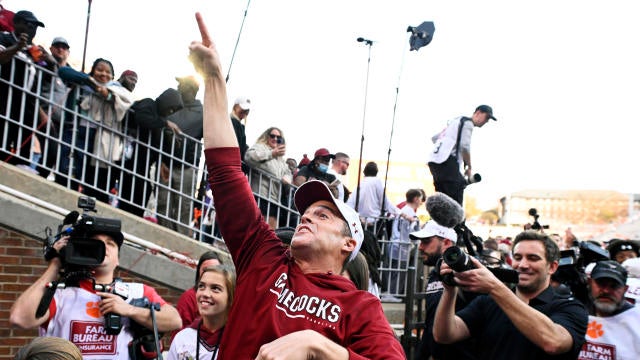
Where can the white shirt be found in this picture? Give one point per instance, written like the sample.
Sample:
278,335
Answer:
444,143
614,337
371,192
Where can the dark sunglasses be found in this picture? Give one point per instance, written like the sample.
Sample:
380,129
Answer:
273,136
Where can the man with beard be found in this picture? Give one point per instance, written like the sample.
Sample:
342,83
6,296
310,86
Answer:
434,240
534,322
613,325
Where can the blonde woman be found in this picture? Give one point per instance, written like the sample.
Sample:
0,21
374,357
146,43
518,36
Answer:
267,155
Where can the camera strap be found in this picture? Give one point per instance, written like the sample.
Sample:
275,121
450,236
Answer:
462,120
215,352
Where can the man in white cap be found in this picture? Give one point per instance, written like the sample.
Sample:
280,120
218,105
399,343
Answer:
239,113
288,303
434,240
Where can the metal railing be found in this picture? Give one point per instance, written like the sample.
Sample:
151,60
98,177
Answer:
163,168
154,165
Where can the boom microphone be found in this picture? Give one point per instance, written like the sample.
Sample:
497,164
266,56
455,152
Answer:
444,210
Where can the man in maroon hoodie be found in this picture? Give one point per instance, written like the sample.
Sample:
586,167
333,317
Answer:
287,305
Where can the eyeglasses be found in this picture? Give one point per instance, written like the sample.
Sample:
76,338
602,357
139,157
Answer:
274,136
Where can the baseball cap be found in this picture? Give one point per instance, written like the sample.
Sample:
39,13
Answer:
314,190
129,73
322,152
488,110
27,16
243,102
432,228
609,269
60,40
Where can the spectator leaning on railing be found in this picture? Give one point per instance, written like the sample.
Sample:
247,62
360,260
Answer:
267,155
17,58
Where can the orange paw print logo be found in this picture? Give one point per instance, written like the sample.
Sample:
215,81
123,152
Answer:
93,309
594,330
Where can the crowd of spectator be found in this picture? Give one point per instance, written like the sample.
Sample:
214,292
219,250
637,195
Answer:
101,142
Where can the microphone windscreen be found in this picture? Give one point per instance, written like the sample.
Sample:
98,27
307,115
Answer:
444,210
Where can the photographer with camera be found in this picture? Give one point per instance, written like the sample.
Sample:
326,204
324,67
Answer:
77,312
434,240
451,148
535,322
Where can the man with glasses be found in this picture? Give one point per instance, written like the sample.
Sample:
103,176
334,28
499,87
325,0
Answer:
613,331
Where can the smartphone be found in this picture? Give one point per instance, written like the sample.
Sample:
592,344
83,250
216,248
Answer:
280,140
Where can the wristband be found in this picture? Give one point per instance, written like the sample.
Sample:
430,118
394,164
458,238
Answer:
50,253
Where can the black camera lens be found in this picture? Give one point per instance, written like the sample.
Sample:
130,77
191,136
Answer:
457,260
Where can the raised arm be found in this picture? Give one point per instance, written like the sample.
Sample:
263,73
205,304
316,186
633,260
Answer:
218,130
447,326
23,311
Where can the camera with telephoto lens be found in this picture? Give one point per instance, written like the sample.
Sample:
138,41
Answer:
82,252
459,261
475,178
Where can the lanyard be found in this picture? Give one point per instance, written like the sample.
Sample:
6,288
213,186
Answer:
215,352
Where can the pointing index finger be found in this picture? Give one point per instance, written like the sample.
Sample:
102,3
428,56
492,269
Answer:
204,33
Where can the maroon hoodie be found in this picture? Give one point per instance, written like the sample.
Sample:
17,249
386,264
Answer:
273,296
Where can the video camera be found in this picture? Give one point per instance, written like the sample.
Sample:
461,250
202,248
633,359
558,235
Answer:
536,224
82,251
459,261
81,254
572,264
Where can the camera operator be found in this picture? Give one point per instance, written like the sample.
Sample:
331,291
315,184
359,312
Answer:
76,312
451,148
532,323
613,323
434,240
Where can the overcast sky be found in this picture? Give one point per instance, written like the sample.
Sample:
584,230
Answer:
562,76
